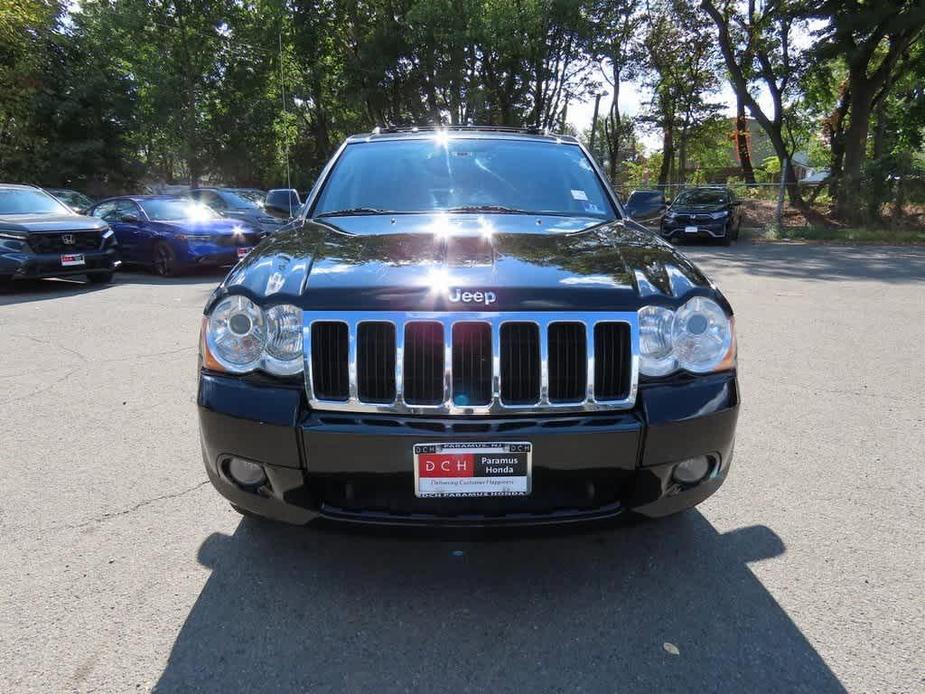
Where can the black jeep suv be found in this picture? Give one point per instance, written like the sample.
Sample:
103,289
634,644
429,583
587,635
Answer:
41,237
463,329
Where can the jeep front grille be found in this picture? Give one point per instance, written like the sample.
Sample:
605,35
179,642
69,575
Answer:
470,363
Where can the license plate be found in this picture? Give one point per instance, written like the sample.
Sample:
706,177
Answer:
244,251
690,230
472,469
71,260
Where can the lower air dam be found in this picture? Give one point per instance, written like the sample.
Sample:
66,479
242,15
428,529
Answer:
473,486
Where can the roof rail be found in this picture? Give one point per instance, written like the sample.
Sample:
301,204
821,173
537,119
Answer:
528,130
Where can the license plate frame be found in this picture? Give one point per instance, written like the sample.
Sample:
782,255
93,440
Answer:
690,230
72,260
474,469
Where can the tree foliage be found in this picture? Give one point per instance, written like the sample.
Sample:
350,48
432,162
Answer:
107,95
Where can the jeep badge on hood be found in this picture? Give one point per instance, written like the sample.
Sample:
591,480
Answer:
457,295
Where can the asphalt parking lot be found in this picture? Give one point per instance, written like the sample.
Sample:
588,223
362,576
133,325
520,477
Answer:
122,570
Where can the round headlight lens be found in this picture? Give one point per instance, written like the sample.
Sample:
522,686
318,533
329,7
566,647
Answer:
237,333
284,339
702,335
656,354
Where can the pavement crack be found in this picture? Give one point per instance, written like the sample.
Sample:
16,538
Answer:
41,390
54,344
137,507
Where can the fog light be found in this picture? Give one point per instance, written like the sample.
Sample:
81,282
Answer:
691,470
246,473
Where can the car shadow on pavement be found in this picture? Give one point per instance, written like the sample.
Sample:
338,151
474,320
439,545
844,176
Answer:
651,607
890,264
27,291
194,276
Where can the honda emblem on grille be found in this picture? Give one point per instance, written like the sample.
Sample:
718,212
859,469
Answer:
68,239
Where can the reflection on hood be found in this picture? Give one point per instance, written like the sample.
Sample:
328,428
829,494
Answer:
413,262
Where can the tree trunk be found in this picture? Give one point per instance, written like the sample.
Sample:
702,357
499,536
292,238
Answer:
741,135
847,202
667,156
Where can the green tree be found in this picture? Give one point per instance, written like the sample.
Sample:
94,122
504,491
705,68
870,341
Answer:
758,48
873,39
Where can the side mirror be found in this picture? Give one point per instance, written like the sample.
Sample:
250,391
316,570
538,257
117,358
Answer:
129,218
643,205
283,203
280,210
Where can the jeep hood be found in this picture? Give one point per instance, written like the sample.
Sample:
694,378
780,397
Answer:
505,262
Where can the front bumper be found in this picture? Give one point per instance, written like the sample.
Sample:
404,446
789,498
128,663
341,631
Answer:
358,468
208,254
26,265
708,229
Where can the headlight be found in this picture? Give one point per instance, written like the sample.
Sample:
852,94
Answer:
656,357
237,334
702,335
698,337
284,339
241,337
719,215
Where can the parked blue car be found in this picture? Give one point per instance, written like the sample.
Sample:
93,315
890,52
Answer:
170,234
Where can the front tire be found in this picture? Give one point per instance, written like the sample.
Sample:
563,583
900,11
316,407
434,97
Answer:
164,260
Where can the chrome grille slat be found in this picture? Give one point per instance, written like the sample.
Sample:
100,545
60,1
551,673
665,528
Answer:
416,369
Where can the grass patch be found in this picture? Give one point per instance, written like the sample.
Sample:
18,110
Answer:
846,235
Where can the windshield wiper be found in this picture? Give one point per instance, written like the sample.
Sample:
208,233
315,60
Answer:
501,209
354,210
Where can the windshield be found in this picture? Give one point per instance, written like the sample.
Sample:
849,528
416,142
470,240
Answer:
466,175
238,199
166,210
73,198
703,197
25,201
252,196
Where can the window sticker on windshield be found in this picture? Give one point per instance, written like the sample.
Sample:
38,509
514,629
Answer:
579,195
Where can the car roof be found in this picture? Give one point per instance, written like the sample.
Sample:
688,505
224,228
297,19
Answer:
138,198
18,186
141,198
485,132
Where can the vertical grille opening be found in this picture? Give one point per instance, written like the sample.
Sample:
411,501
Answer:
471,364
611,361
520,363
568,362
423,363
329,361
376,362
